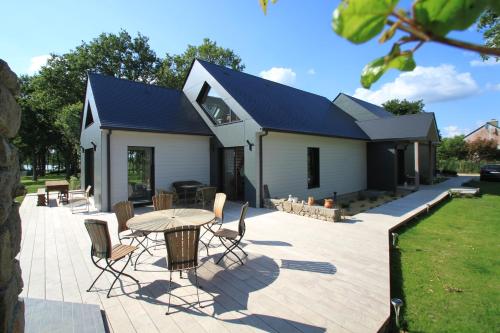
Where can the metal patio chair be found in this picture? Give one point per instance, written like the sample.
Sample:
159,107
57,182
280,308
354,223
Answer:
219,202
231,238
103,250
182,254
163,201
124,211
79,197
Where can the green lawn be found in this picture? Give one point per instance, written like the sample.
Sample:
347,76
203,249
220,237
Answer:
32,186
447,267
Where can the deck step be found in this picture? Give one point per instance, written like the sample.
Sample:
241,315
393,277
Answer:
56,316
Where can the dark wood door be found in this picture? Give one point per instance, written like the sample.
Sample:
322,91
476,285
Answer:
401,167
89,169
233,175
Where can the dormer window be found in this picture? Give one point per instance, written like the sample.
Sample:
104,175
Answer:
215,107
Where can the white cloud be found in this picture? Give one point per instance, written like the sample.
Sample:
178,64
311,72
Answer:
37,62
452,130
432,84
280,75
311,71
480,63
493,86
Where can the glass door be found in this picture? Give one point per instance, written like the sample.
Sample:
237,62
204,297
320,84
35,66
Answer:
140,174
233,177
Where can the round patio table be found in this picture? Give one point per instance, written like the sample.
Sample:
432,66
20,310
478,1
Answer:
162,220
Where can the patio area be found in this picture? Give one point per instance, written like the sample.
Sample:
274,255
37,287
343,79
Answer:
302,275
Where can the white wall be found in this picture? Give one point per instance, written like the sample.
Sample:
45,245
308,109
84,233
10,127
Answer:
177,157
94,134
342,165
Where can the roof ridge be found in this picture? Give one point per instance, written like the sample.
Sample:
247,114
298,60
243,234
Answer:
131,81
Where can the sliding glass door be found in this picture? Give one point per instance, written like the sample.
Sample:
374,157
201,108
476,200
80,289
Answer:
140,174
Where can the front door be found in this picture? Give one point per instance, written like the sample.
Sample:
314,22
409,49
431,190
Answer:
401,166
140,174
233,177
89,169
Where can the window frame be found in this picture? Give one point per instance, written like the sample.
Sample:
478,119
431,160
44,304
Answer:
313,176
202,96
89,113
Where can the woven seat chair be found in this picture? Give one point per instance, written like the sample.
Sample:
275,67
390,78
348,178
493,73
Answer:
124,211
182,254
205,196
103,250
163,201
231,238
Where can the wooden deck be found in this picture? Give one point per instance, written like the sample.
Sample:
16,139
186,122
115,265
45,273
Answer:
302,275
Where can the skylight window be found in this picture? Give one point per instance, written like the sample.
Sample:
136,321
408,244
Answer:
89,120
218,111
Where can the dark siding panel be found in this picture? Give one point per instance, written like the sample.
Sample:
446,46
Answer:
381,160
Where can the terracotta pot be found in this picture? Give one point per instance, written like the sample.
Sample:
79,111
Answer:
310,201
328,203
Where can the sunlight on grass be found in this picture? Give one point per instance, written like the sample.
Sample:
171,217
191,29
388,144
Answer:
447,266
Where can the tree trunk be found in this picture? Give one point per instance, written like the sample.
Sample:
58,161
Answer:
34,167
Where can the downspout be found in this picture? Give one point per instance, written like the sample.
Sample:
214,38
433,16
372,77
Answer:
261,135
108,163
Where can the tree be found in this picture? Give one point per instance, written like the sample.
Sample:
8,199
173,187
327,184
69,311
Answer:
482,149
452,148
426,21
174,68
489,25
404,106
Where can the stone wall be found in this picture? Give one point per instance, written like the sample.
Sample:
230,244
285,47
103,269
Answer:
11,284
315,212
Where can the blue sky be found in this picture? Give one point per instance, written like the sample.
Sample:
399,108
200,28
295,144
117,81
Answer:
293,44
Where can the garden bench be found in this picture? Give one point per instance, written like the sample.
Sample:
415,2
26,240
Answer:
41,197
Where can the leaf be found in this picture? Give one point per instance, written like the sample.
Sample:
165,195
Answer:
375,69
443,16
389,33
264,3
361,20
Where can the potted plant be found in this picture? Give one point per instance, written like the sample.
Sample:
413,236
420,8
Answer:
328,203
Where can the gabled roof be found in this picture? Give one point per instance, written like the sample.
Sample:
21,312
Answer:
279,107
480,127
375,111
128,105
420,126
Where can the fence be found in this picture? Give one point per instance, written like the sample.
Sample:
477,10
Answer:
462,166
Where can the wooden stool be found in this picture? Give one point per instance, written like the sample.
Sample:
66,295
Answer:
41,197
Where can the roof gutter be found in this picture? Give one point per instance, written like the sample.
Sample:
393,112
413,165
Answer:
108,163
261,134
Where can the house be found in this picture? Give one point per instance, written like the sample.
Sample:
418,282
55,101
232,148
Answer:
488,131
239,132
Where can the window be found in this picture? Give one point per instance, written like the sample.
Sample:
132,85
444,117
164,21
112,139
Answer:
89,120
218,111
312,167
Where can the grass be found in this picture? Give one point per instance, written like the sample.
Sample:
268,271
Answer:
32,186
447,265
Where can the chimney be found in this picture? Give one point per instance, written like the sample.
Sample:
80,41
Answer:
493,122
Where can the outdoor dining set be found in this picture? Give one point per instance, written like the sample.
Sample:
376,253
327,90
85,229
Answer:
174,226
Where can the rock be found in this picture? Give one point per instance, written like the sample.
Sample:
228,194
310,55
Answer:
5,258
8,154
10,113
15,229
8,78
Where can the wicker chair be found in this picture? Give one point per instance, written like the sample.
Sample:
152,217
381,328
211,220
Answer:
182,253
163,201
124,211
205,196
231,238
103,250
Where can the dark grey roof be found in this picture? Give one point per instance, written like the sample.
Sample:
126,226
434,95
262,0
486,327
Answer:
279,107
379,111
419,126
129,105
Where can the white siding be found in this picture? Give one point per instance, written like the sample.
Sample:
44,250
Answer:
177,157
342,165
94,134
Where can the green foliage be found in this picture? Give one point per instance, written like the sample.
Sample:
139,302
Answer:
489,25
174,68
361,20
482,149
264,3
403,107
454,147
446,266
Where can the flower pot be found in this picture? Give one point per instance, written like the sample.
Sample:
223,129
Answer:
328,203
310,201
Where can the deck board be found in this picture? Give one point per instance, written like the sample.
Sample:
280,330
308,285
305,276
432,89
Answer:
301,275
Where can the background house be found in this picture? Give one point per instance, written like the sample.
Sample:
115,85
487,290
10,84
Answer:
239,132
488,131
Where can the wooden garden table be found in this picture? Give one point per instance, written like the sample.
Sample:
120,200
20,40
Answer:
57,185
